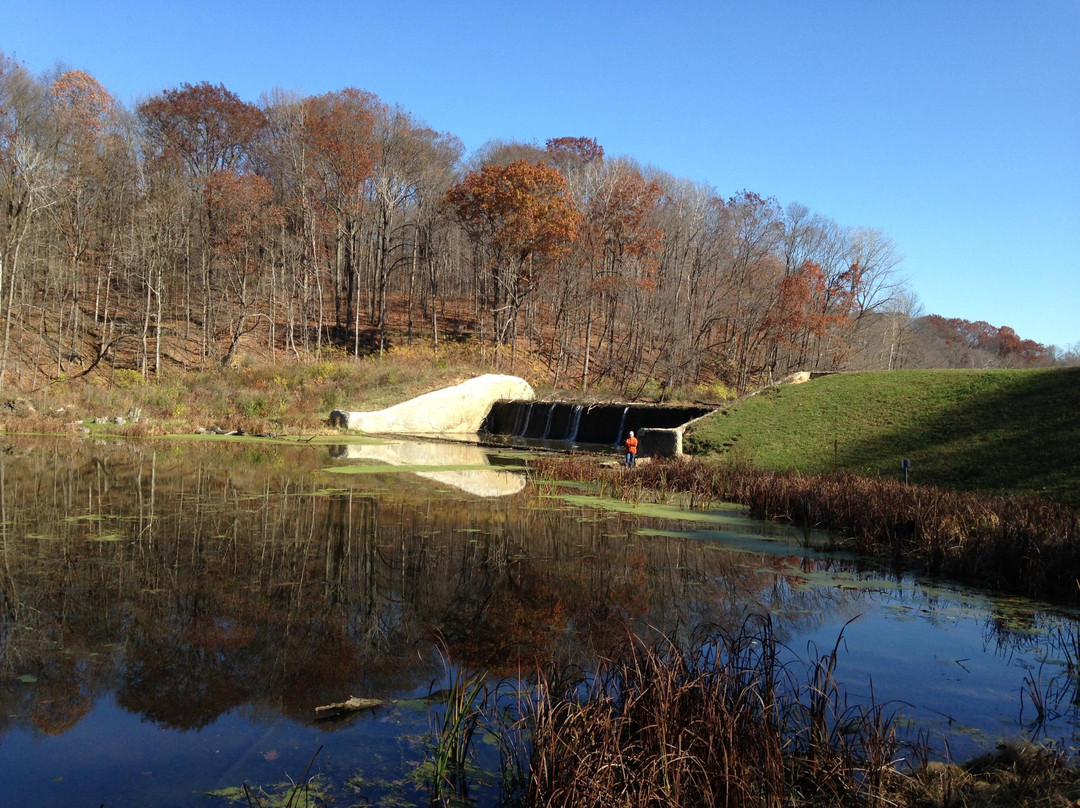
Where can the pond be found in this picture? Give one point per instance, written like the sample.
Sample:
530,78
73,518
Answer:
173,611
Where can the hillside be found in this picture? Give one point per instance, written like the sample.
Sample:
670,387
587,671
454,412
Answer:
1002,430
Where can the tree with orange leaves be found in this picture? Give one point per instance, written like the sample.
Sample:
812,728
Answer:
517,216
205,127
574,151
81,102
339,130
195,131
811,312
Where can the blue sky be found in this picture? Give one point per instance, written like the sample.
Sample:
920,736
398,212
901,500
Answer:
953,127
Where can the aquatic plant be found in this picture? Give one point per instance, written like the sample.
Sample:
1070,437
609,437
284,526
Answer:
714,717
1010,775
455,723
1026,545
302,793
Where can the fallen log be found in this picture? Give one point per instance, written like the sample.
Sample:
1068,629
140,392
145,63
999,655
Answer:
350,705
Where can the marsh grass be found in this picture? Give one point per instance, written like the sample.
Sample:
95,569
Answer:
711,719
715,720
454,724
1025,545
1011,776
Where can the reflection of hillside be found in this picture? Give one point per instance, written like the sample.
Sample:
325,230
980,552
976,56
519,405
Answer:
481,482
192,579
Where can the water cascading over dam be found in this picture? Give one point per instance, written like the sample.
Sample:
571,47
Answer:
582,423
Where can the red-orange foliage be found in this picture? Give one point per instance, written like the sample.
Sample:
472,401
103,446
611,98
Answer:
206,127
82,102
622,215
574,150
242,207
521,214
340,128
812,307
1004,343
520,210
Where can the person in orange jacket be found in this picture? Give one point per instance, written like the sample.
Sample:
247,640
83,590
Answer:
631,449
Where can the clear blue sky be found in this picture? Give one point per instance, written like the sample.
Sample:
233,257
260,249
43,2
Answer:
953,127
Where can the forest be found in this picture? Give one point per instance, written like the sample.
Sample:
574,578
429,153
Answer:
198,227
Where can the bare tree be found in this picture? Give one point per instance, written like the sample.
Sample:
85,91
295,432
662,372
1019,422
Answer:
28,178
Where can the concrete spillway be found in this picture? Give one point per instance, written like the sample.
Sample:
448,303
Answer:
503,407
582,423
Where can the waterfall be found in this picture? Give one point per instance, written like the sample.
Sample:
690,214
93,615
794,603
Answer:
547,426
518,411
528,417
575,422
565,421
622,423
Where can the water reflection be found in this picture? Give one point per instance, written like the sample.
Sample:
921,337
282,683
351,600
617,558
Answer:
230,588
476,475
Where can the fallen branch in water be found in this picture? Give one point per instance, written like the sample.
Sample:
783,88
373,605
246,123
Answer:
350,705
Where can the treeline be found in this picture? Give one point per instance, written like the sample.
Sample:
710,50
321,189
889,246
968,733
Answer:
175,233
958,343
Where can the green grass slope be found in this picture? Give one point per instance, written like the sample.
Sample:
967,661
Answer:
999,430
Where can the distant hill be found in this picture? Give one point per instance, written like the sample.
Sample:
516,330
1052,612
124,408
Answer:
999,430
895,340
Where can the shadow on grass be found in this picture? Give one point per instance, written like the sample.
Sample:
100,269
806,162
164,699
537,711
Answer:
1013,433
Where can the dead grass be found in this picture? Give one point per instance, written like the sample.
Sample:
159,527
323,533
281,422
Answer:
255,395
717,720
1012,776
1026,545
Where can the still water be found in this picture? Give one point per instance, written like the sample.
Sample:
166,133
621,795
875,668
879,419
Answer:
172,612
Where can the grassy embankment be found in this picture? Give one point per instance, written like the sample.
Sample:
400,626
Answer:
1001,435
1006,431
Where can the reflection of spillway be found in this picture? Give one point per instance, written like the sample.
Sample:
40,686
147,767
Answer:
482,482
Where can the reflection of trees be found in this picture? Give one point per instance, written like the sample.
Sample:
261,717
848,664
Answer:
194,579
65,694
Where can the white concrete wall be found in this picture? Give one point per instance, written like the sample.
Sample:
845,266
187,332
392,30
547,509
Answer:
460,409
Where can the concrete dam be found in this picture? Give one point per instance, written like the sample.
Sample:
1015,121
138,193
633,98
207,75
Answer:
586,423
505,407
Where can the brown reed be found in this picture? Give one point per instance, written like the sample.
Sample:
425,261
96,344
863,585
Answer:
1019,544
715,721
